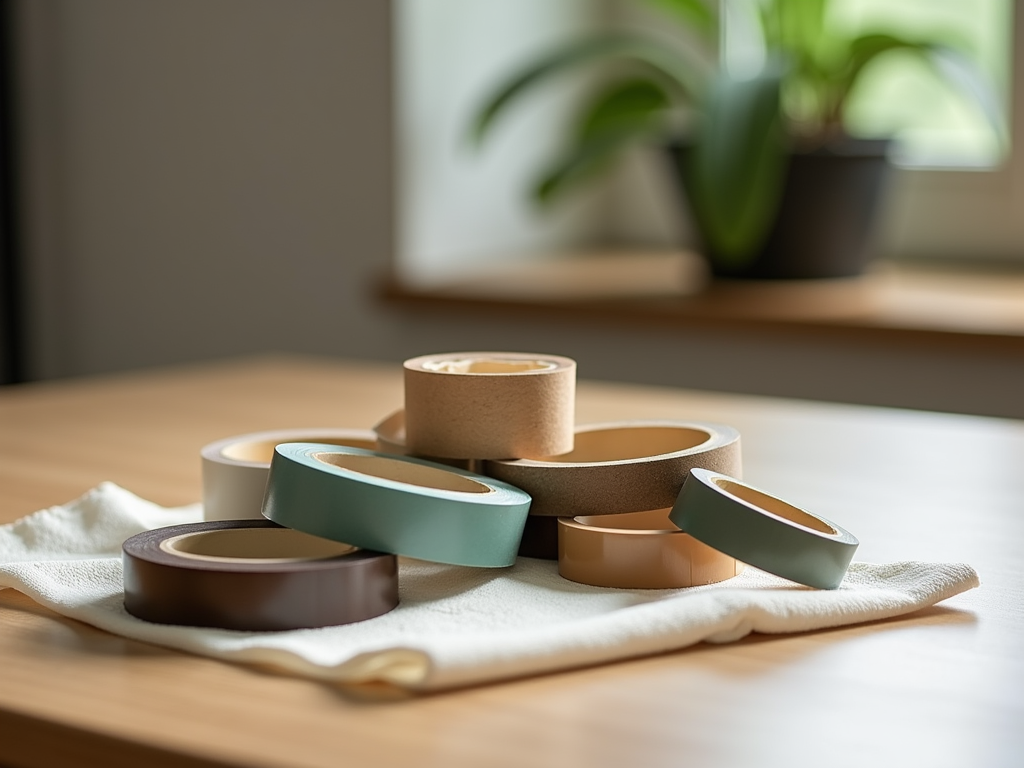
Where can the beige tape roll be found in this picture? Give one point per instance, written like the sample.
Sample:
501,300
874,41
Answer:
489,405
638,550
620,467
390,434
235,469
391,439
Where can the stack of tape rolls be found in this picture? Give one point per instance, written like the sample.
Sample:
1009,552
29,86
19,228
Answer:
615,468
607,502
483,463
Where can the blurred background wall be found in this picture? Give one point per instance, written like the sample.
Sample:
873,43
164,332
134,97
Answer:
208,179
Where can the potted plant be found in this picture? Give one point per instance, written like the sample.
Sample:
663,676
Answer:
775,185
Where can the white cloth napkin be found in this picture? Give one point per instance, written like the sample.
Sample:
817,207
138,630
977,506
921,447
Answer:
454,626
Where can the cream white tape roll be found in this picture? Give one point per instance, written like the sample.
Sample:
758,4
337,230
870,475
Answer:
235,469
620,467
489,405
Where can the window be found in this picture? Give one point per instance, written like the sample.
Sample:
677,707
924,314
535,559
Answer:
959,194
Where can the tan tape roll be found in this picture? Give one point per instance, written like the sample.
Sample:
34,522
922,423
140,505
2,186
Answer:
235,469
621,467
489,405
638,550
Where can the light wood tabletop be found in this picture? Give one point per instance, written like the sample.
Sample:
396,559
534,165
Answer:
942,687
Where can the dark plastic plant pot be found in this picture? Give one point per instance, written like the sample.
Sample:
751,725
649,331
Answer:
827,217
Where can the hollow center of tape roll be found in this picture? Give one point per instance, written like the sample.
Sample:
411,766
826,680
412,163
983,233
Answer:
622,443
648,520
254,545
776,506
262,451
488,365
403,472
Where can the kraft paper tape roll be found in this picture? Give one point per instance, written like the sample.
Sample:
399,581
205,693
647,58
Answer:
637,550
396,504
391,439
235,469
489,405
763,530
253,575
620,467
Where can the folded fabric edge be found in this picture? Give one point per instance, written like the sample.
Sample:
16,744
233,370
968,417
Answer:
736,614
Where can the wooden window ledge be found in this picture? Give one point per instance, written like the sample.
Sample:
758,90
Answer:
901,303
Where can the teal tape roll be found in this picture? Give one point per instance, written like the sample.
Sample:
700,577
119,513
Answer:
762,530
395,504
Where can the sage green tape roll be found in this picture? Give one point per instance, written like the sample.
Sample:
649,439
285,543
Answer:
395,504
762,530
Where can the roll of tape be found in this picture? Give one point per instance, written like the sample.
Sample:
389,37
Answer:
235,469
253,575
540,538
390,434
489,405
763,530
637,550
391,439
621,467
396,504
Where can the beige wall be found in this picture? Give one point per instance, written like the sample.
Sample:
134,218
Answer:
210,178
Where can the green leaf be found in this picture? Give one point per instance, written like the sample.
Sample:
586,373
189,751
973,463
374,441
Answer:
662,61
623,103
621,114
799,24
694,14
736,166
589,156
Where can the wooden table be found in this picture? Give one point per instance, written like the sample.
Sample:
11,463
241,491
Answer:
944,687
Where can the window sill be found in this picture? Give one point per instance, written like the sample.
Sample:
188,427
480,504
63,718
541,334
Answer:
954,307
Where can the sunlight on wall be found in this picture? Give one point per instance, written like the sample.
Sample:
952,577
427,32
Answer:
459,206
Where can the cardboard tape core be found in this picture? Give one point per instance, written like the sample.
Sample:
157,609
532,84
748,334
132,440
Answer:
631,443
403,472
487,366
263,450
775,506
254,545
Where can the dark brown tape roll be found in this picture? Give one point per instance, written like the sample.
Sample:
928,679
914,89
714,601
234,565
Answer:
540,538
253,575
